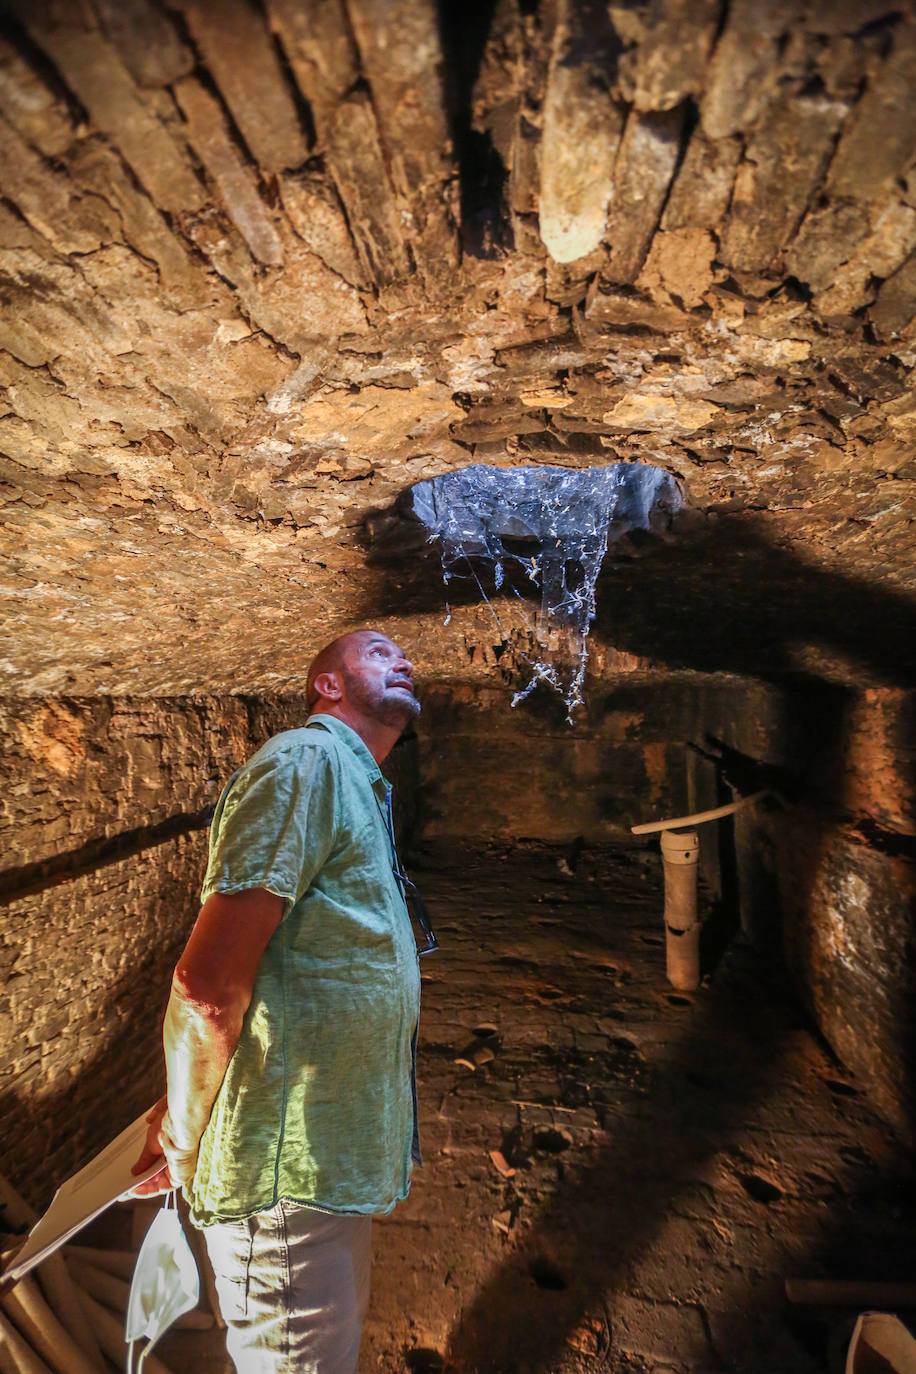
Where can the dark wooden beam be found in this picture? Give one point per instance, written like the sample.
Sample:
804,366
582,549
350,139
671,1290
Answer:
94,71
702,187
237,46
318,43
743,71
401,56
44,197
879,140
41,118
154,52
783,167
645,165
668,60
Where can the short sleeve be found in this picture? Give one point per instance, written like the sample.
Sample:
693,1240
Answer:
274,826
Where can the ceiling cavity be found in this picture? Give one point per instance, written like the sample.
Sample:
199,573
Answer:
543,530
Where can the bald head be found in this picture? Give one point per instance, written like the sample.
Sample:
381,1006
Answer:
330,659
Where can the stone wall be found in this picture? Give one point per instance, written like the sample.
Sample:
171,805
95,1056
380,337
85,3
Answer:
86,967
493,773
846,882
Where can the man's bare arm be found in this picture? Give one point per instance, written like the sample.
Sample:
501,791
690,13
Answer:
211,991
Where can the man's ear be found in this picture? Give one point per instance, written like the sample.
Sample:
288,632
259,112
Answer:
329,686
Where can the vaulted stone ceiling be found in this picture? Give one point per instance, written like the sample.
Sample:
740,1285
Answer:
266,265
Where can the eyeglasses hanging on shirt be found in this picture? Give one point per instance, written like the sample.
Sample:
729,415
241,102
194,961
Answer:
420,914
426,941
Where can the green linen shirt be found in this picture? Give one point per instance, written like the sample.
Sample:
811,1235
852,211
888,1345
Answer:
317,1104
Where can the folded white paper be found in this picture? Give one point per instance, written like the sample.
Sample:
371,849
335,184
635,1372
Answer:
102,1181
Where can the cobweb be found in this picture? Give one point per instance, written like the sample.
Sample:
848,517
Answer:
553,525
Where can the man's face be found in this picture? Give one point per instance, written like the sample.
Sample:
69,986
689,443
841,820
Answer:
378,680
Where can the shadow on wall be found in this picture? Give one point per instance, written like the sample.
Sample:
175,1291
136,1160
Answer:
717,596
726,599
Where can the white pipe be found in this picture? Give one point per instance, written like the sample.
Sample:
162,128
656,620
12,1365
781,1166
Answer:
682,926
650,827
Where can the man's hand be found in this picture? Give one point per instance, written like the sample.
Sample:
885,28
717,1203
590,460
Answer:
152,1150
178,1164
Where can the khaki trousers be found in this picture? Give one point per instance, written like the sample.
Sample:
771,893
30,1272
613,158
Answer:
293,1286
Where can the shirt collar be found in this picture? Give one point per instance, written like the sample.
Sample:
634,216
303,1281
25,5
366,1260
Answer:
348,736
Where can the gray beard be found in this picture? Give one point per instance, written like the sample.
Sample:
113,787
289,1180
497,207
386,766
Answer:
392,711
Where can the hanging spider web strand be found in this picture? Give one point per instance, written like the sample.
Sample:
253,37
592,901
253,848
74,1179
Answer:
479,513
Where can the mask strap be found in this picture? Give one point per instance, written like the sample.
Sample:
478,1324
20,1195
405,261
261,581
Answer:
170,1202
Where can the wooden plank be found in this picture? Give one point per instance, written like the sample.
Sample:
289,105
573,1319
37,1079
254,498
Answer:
523,162
319,46
97,168
236,184
399,47
398,42
30,106
879,140
44,198
94,71
645,165
783,166
317,41
850,264
358,167
743,70
237,47
880,255
668,60
828,234
703,185
581,131
153,51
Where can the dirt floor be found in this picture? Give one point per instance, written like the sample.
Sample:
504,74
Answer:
617,1177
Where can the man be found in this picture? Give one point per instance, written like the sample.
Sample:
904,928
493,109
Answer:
290,1032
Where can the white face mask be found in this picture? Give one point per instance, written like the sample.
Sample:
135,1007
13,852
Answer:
165,1282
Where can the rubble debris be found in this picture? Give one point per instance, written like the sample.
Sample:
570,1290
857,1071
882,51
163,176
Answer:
501,1164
